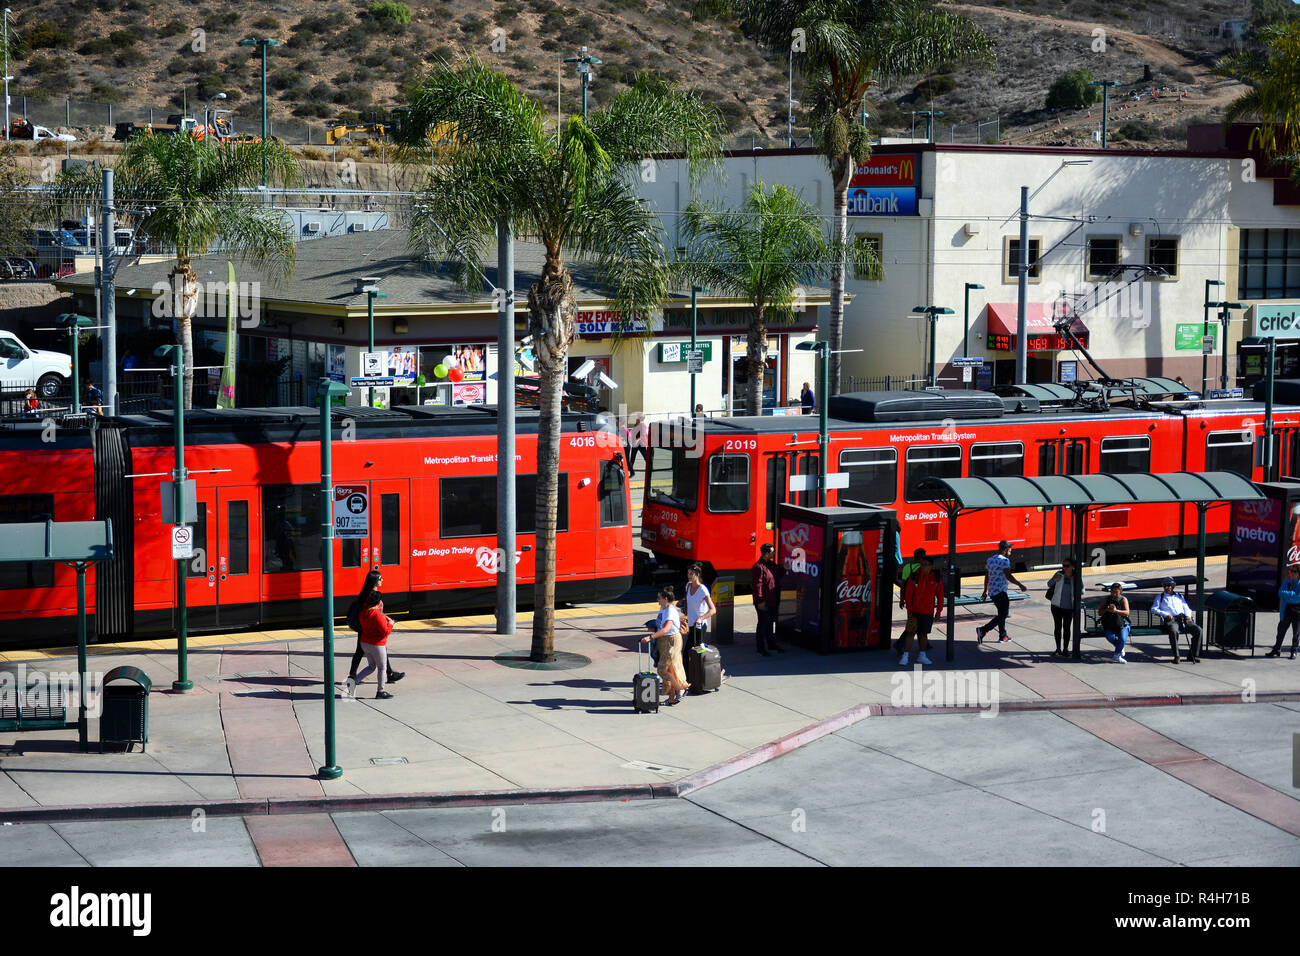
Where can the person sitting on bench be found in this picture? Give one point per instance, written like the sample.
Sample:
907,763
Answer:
1176,617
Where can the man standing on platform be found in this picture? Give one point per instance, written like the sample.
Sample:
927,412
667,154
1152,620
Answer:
997,572
767,598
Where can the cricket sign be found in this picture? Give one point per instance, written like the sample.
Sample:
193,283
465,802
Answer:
351,511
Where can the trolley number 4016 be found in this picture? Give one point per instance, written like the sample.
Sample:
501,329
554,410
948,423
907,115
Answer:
741,444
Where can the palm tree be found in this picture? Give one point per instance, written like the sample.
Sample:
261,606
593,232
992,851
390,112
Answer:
195,197
763,253
845,47
1273,72
570,188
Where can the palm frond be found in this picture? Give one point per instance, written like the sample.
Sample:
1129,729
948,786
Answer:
653,116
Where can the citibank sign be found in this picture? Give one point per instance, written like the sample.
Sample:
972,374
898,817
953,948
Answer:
1278,321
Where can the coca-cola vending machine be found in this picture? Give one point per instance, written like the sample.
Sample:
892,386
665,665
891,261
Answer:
836,577
1263,538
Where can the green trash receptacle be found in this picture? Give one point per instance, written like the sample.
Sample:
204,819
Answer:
124,718
1230,622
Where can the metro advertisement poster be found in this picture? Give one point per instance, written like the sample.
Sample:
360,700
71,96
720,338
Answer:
1253,547
800,559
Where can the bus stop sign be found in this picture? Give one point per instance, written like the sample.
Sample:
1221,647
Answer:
351,511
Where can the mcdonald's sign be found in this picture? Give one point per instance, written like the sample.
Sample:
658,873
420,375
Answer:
886,170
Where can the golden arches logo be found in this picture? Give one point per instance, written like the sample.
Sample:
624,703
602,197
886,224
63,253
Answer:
907,169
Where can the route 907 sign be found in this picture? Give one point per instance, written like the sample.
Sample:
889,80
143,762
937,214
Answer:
351,511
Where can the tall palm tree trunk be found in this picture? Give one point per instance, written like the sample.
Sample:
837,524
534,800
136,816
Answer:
841,175
756,357
185,305
552,313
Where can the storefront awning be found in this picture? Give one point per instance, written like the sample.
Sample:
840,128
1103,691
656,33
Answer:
1042,337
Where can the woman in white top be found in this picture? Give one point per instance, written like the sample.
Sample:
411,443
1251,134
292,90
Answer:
699,607
669,636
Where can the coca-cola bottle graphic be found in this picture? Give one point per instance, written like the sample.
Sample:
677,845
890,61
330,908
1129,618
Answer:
853,596
1293,546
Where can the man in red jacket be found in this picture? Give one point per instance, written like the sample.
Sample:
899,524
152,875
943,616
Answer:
767,598
375,628
923,595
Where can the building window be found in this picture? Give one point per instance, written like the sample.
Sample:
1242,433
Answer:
1011,259
1126,456
876,243
1269,264
1103,256
1162,253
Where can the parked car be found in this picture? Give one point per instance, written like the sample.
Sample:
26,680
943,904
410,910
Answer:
21,366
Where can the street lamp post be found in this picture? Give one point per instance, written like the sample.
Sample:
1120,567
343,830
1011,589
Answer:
1205,332
366,284
1270,344
1224,315
182,684
74,323
695,290
262,43
327,391
965,341
1105,104
932,313
585,63
824,353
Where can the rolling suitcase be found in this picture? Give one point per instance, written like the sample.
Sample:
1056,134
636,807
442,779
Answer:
704,669
645,687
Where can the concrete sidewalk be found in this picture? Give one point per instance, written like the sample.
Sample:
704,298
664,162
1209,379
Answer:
469,717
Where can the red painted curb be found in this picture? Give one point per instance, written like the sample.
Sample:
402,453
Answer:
132,811
467,798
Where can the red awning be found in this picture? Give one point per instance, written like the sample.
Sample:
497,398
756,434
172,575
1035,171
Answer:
1038,323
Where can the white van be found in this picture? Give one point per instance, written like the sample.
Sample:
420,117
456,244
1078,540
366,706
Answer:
22,367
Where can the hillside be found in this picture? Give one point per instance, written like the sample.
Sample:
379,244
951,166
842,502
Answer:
342,62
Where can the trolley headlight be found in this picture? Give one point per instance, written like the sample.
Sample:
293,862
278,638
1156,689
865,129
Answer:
687,544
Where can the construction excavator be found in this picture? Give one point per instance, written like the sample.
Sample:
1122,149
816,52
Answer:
440,137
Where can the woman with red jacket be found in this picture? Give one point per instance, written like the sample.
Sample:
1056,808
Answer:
375,628
923,596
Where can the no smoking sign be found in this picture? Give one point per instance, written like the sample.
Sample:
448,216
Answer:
351,511
182,542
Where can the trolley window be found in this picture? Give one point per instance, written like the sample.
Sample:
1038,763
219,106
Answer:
237,537
197,566
929,461
777,467
18,509
1003,459
1230,451
674,478
469,506
873,475
729,483
290,528
613,495
1126,456
390,530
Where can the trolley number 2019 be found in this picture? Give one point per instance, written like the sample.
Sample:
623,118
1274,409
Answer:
740,444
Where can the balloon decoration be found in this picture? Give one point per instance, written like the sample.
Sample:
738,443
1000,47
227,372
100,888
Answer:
449,361
421,380
455,374
440,371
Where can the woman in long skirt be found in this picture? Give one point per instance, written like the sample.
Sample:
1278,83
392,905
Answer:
669,636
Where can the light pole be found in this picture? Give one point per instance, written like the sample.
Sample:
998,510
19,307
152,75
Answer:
507,519
965,341
1105,104
824,353
182,684
74,323
1205,333
7,76
263,43
789,112
929,122
207,108
367,285
932,313
585,63
327,391
1224,315
695,290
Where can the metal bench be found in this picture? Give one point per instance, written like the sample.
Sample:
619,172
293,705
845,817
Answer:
44,710
971,600
1142,622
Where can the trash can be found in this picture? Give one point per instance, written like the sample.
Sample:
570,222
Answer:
124,718
1230,621
724,622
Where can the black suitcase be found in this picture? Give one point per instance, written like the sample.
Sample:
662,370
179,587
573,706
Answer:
704,669
645,687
